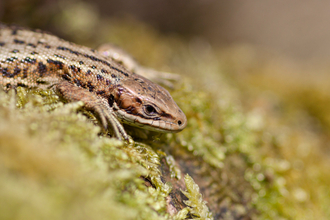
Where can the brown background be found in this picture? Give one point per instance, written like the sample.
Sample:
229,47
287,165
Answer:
296,28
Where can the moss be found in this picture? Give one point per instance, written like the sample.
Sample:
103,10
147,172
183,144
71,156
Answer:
196,205
68,169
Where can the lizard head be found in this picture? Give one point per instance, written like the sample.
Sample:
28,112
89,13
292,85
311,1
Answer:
142,103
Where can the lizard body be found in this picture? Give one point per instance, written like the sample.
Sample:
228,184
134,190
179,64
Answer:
35,59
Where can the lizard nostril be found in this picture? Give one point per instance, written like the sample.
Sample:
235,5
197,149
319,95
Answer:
179,122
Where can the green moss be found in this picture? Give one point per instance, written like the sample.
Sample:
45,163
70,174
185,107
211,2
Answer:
174,169
68,169
196,205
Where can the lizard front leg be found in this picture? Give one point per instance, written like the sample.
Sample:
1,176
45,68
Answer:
98,105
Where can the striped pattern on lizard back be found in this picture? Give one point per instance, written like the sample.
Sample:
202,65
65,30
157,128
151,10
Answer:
31,58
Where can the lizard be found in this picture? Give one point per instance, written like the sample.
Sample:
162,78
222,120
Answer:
116,95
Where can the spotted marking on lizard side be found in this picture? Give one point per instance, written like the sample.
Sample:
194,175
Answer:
16,41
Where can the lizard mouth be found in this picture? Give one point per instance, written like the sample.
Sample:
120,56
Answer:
153,124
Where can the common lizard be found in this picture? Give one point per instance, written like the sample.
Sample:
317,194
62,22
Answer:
36,59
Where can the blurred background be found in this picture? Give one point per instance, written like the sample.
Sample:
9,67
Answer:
297,29
274,54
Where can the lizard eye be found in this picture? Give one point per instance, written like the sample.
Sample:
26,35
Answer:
149,110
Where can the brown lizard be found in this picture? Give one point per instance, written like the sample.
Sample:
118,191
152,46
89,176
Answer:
36,59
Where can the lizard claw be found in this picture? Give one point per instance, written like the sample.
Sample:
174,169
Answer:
107,118
97,104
